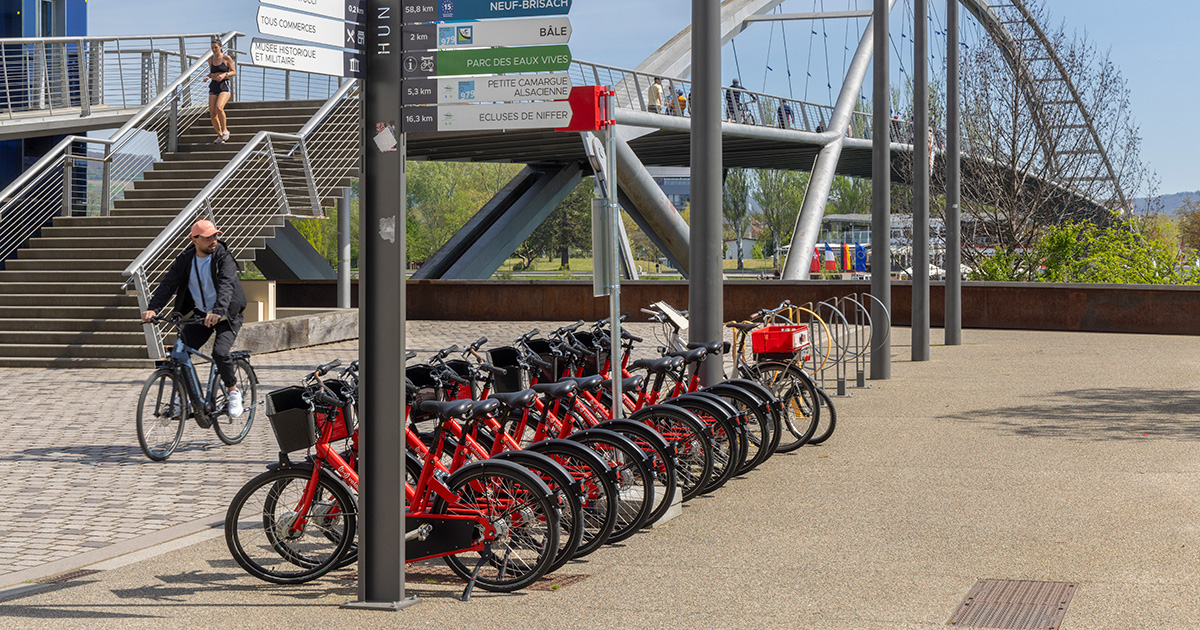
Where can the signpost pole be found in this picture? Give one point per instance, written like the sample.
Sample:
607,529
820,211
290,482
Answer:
921,153
953,190
382,321
614,214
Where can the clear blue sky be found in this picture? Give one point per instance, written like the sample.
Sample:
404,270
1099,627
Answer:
1156,43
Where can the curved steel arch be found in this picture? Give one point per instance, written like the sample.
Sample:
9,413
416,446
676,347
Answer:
1037,103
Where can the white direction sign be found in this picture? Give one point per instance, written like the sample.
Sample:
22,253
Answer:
309,28
514,87
537,115
348,10
338,63
450,35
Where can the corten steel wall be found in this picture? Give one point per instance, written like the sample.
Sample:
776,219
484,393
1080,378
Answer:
1032,306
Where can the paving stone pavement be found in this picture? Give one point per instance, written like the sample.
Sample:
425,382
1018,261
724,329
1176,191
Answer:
87,486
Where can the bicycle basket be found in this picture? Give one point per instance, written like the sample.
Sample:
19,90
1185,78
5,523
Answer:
506,357
779,339
543,348
293,423
420,375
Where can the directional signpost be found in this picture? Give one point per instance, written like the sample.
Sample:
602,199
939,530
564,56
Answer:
487,89
478,34
338,63
348,10
309,28
435,10
486,60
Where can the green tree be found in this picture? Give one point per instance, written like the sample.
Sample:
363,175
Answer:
849,195
1085,252
735,206
568,227
443,196
779,194
1189,224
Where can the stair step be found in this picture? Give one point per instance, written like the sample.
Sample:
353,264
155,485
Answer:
65,288
69,312
172,162
57,277
89,242
158,185
68,265
146,231
165,199
113,220
59,324
62,253
83,351
74,362
91,337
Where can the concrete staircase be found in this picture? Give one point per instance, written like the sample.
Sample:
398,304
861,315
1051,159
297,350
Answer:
61,302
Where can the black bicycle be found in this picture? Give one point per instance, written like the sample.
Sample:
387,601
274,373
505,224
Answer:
174,393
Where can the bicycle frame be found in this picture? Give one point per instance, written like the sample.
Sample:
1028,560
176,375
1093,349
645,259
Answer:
181,363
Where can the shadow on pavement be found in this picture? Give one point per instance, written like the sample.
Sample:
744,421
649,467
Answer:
1122,413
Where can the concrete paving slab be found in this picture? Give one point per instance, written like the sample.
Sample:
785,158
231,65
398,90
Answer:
1019,455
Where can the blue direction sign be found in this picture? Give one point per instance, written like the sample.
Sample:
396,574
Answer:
415,11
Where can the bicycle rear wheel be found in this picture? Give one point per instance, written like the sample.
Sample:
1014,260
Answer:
518,507
687,434
597,493
162,407
275,537
632,478
801,410
828,418
232,430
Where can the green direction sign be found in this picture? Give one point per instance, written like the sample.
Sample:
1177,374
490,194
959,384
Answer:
487,61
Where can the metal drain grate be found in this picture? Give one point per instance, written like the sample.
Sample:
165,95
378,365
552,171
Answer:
1014,605
69,575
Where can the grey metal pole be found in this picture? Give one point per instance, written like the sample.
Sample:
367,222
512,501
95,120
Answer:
808,222
382,323
614,291
953,182
705,291
881,224
344,250
920,156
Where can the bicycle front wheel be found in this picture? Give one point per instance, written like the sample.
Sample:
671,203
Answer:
232,430
161,409
278,536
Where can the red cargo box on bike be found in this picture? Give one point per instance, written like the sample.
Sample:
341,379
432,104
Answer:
779,339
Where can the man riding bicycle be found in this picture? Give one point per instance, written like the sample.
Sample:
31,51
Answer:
204,279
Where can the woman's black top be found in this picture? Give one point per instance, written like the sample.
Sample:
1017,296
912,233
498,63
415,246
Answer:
216,87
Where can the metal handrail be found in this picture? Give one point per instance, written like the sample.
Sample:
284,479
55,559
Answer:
251,196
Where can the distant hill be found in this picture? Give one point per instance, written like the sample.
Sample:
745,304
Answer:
1171,203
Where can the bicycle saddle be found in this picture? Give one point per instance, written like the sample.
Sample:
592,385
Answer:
586,383
484,407
627,384
745,327
713,348
655,366
449,408
516,400
556,390
694,355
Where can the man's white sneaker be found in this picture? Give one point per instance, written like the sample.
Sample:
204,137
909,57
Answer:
235,403
225,135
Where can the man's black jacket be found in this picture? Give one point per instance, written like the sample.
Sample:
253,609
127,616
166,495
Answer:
231,301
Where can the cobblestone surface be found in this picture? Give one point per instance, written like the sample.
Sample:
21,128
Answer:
85,482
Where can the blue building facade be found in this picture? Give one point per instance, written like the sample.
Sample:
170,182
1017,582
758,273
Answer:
31,18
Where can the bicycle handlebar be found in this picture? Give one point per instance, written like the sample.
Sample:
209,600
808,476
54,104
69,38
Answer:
322,370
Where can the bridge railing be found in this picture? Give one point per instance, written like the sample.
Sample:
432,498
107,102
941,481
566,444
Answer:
737,105
66,75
